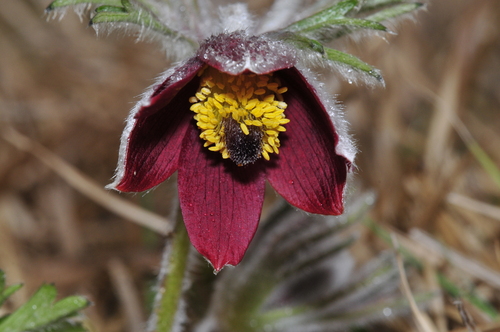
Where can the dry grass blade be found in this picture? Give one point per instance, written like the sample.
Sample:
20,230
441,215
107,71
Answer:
472,37
437,305
424,323
466,318
467,265
127,293
474,205
482,157
86,186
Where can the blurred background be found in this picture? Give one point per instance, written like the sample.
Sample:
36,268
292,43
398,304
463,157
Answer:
429,148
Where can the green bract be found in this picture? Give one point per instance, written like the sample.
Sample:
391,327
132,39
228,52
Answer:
41,312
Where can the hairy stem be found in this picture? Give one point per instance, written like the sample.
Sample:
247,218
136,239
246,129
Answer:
172,284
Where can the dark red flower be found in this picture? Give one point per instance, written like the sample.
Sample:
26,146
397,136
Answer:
238,113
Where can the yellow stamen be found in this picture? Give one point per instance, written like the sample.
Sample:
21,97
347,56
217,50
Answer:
230,109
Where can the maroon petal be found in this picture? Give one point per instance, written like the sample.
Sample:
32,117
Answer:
307,172
155,142
220,202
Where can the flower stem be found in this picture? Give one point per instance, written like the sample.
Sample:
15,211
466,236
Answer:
172,284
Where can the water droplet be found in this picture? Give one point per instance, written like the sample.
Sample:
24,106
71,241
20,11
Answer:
34,307
291,182
211,213
349,81
387,312
190,204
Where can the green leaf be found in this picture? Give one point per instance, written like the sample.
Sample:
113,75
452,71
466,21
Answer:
394,11
353,22
5,293
372,4
353,62
484,159
8,292
476,300
63,326
302,42
142,18
65,3
41,313
339,10
110,9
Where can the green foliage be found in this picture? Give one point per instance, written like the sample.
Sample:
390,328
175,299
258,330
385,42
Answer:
299,276
65,3
41,313
484,159
448,286
313,32
353,62
349,22
454,291
124,11
394,11
6,292
322,18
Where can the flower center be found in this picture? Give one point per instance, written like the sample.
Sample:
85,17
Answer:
240,116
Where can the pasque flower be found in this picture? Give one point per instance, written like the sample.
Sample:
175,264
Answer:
236,114
241,107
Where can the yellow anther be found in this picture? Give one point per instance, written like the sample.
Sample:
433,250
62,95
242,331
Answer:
200,96
253,102
268,148
265,155
217,104
195,107
244,128
249,92
257,112
272,86
219,97
269,98
282,105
